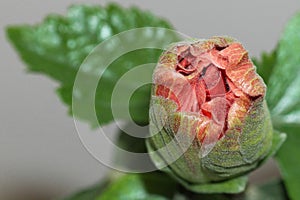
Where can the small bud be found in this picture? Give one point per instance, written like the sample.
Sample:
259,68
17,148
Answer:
208,117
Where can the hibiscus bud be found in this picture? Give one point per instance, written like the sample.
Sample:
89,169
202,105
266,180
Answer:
208,117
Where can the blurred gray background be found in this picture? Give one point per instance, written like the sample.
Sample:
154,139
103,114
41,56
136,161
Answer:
41,156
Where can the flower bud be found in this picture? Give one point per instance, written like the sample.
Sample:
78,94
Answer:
208,117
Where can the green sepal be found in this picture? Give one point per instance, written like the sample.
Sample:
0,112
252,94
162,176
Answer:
181,168
231,186
240,152
235,185
277,141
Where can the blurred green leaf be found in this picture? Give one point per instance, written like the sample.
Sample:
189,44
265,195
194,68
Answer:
90,193
151,186
265,64
129,139
148,186
269,191
131,143
289,162
59,45
283,97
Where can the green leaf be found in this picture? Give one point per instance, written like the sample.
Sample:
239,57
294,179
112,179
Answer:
289,162
272,190
90,193
265,64
128,141
57,47
283,95
283,98
149,186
